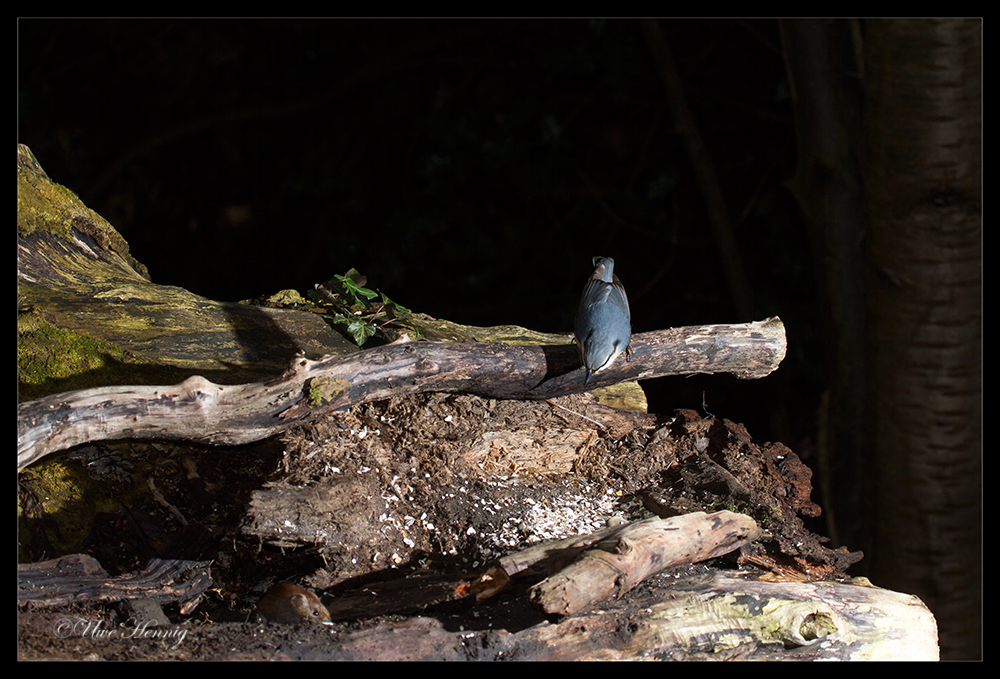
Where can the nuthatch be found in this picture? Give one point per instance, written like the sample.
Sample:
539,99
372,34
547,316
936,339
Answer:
603,326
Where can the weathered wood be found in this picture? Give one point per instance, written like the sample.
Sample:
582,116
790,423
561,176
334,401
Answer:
579,573
75,268
198,410
619,562
711,616
355,482
725,617
78,578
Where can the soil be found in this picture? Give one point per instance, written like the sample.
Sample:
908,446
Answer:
390,511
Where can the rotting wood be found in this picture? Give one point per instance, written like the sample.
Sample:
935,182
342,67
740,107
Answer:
576,578
197,410
78,578
713,616
706,616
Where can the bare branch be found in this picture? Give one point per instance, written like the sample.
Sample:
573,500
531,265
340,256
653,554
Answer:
198,410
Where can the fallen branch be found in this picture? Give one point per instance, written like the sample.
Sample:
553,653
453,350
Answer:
78,578
198,410
620,561
644,548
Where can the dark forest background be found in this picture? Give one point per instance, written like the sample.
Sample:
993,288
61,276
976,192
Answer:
469,168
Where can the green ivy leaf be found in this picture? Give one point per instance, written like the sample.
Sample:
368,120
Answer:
356,291
361,331
351,301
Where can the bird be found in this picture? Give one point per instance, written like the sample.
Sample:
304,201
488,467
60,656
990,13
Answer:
289,604
603,327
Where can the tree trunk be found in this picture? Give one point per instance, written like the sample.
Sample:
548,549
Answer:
889,177
923,177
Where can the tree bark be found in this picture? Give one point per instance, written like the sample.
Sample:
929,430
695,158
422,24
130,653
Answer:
924,180
889,129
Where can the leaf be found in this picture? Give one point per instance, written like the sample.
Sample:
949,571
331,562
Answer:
356,277
352,283
392,310
361,331
351,302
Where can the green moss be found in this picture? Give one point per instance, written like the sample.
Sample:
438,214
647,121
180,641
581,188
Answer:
43,205
66,500
323,390
52,359
60,491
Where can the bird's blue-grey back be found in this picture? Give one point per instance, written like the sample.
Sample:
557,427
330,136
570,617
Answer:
603,325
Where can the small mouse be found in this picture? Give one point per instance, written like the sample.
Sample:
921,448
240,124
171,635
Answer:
289,604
